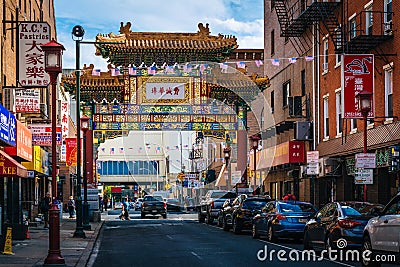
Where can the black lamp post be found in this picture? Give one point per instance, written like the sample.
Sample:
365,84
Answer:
53,66
364,99
227,156
85,127
254,144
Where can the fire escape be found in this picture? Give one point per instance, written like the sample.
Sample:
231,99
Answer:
361,34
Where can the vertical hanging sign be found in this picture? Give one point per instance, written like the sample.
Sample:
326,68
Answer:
64,119
357,76
31,57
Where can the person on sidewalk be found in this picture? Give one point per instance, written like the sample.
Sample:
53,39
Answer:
105,201
289,197
71,207
45,205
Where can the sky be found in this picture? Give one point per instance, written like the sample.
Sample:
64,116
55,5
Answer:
241,18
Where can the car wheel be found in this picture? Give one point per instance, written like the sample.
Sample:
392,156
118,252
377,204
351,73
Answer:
366,245
236,227
164,216
210,219
271,236
201,218
142,215
225,225
219,223
254,232
306,242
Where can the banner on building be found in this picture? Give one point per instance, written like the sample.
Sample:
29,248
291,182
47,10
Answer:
41,134
71,148
31,56
64,119
357,76
27,100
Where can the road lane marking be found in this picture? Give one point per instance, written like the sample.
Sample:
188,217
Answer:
200,258
170,237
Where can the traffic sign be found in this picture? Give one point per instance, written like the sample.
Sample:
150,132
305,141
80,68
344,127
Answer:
181,176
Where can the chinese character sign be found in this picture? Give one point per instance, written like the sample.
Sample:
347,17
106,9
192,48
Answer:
42,134
27,100
357,76
31,56
8,126
64,119
165,90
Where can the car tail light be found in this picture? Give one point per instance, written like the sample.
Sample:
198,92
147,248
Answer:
143,204
165,205
348,223
280,217
212,204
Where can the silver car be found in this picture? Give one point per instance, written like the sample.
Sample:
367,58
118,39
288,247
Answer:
382,235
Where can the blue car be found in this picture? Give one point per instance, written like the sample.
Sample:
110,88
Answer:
285,219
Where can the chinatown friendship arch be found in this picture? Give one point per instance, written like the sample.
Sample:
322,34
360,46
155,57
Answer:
192,64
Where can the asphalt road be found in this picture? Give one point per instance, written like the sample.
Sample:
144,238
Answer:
180,240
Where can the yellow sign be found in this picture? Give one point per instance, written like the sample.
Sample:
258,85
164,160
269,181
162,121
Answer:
181,176
8,244
167,186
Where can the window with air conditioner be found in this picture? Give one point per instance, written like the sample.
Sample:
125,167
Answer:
326,118
339,113
389,92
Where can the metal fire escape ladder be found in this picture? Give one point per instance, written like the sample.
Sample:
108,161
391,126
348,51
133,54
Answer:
332,25
283,17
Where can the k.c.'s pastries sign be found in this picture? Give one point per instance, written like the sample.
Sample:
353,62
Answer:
7,126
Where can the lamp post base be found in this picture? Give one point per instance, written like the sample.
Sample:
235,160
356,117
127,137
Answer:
54,257
79,233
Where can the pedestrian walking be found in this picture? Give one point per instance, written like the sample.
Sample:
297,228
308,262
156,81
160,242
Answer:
105,201
101,203
44,207
71,207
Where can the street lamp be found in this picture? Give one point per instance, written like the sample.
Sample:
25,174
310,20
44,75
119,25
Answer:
254,143
364,99
85,127
53,66
227,156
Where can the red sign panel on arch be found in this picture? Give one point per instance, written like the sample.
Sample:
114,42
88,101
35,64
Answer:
357,76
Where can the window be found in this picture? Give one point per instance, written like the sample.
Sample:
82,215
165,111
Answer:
326,118
272,42
326,54
368,20
303,82
389,92
339,112
272,4
262,119
353,124
12,33
388,11
353,28
272,102
286,93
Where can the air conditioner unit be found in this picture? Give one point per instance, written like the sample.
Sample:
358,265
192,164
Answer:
321,165
44,110
325,66
9,99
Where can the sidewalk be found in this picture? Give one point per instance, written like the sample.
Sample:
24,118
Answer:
33,251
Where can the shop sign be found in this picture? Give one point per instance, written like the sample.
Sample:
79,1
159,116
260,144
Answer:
27,100
23,147
31,56
357,76
8,126
42,134
365,161
364,176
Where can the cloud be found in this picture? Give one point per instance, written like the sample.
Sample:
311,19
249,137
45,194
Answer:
228,17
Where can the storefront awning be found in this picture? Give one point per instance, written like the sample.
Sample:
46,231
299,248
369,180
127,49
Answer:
11,167
221,177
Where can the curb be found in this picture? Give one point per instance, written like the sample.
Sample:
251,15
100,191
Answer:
85,256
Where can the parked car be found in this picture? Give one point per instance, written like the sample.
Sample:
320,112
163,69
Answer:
282,219
138,203
153,205
211,204
225,206
338,220
243,209
381,234
173,204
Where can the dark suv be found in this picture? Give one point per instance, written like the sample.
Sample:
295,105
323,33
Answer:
153,205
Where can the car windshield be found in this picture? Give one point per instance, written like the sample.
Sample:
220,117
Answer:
153,198
223,195
254,204
297,207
